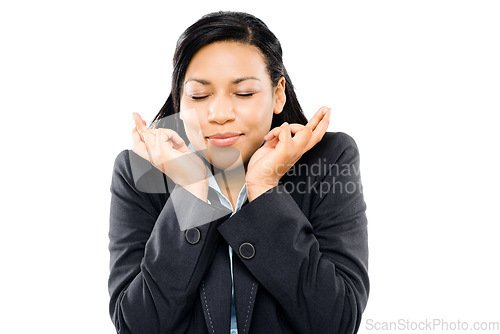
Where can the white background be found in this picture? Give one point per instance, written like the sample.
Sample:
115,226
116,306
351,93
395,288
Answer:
415,83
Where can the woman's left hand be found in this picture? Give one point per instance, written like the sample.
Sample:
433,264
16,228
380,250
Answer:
281,151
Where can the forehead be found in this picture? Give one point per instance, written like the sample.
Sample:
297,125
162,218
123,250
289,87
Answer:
222,62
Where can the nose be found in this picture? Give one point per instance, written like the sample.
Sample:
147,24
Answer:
221,110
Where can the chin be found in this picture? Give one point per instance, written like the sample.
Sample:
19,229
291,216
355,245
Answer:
225,158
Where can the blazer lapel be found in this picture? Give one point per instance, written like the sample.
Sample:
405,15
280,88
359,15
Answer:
245,290
215,292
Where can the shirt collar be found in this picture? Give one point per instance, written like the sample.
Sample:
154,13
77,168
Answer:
212,183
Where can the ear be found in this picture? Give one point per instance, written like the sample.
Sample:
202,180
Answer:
279,96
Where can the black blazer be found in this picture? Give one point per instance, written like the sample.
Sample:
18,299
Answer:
300,250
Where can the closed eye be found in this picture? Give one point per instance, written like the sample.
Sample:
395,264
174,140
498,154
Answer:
241,95
198,97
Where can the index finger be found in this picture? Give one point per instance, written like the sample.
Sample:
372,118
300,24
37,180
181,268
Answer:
318,116
140,124
294,128
320,129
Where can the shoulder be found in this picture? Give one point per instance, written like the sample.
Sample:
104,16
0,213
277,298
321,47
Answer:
335,153
122,163
333,147
122,172
138,173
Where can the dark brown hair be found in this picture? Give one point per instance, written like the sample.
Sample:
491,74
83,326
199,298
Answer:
228,26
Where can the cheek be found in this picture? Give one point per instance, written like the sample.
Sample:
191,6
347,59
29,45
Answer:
258,122
190,117
260,118
192,126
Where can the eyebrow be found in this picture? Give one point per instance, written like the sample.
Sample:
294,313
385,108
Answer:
234,82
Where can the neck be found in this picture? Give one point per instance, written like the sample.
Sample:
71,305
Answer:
230,182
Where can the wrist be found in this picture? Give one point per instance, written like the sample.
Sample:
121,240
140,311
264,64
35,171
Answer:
254,191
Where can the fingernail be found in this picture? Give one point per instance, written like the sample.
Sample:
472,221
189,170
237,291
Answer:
325,110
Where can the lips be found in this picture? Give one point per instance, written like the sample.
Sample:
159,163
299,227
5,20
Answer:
224,139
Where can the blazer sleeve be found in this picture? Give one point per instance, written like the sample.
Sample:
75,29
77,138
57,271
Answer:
155,268
315,266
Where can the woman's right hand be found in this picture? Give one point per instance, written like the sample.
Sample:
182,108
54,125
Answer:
168,152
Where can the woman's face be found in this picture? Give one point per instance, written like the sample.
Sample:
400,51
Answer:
227,102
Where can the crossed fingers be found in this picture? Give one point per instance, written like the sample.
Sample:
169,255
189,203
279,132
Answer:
305,136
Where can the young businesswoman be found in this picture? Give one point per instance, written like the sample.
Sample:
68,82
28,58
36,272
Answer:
233,213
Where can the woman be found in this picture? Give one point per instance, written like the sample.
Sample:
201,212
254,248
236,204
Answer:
233,213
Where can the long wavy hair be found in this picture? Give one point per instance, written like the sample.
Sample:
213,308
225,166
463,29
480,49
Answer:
227,26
